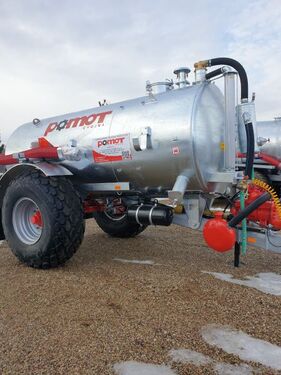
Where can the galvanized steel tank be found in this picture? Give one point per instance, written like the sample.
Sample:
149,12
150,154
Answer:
269,133
148,141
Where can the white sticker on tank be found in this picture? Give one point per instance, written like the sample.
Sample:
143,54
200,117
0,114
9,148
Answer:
111,149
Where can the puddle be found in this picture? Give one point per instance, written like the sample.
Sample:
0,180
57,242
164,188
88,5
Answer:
189,356
135,261
140,368
227,369
244,346
269,283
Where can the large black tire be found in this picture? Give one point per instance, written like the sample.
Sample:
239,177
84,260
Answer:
121,228
60,208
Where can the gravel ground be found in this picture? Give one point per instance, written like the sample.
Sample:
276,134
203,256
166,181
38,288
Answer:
96,311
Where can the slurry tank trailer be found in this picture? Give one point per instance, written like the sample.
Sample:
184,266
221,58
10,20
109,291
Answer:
183,153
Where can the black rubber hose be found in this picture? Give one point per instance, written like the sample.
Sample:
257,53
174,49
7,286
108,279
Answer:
250,149
249,209
214,73
240,70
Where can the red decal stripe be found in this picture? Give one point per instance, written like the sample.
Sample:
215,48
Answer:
101,158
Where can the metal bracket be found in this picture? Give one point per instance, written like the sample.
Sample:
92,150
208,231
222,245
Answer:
194,205
143,142
176,195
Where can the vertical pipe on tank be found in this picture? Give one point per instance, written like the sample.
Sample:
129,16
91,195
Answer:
230,120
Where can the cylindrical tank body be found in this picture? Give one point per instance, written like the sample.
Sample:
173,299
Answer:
148,141
269,133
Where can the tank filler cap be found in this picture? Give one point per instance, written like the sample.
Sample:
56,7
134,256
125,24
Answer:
159,87
182,74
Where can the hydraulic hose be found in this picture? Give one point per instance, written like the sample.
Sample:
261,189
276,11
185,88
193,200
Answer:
240,70
215,73
249,209
250,149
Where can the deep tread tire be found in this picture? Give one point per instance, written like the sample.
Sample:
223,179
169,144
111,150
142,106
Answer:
63,223
118,228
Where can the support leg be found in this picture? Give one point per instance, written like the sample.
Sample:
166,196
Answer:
237,254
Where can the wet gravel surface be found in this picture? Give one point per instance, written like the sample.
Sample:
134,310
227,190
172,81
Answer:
96,311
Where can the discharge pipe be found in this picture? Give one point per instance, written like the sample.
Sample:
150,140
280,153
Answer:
147,214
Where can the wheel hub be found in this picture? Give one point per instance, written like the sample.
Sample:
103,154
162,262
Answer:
27,221
36,219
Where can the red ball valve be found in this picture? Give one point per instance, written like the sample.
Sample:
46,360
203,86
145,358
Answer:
218,235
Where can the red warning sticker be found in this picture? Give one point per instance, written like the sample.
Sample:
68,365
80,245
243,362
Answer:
110,149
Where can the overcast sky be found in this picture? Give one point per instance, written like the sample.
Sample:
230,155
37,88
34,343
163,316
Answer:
62,56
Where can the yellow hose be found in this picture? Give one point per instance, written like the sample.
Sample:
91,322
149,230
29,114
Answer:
271,191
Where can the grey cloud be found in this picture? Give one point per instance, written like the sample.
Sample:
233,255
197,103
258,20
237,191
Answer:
63,56
256,39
